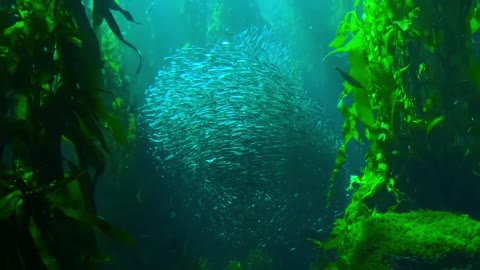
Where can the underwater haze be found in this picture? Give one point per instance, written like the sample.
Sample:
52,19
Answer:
239,131
239,134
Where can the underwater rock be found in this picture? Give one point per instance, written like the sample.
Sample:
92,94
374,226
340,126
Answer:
420,239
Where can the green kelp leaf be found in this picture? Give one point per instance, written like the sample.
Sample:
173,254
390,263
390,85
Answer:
372,182
346,28
349,126
316,243
69,193
350,24
99,223
338,41
475,19
474,25
356,42
116,128
87,150
67,140
359,70
50,18
359,61
355,23
387,36
4,50
401,70
91,129
363,110
21,217
58,184
48,259
387,62
22,107
404,24
47,9
8,203
15,30
118,103
339,162
434,123
132,128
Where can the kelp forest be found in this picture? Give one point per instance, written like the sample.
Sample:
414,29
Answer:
415,204
410,97
58,128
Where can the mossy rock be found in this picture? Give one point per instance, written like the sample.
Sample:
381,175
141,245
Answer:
414,240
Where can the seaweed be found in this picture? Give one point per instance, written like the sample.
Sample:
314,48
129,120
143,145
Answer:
416,111
53,99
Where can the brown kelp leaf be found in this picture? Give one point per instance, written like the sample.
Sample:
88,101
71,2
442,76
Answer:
48,259
117,130
57,184
99,223
116,30
125,13
91,130
87,150
101,11
8,203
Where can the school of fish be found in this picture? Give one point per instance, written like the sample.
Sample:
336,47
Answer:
233,126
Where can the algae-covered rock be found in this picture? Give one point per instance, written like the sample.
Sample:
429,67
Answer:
413,240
